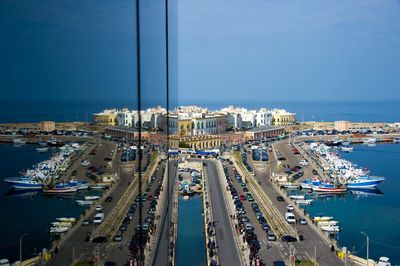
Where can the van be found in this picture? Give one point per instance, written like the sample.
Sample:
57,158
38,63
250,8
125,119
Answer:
98,218
290,218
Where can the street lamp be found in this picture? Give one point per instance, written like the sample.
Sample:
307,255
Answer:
367,246
20,247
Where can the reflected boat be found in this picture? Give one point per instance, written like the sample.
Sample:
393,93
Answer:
366,191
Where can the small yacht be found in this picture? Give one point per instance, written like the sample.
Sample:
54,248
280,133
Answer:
370,141
19,141
42,149
384,261
23,183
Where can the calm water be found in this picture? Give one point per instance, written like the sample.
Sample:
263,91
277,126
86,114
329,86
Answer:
191,246
377,215
27,213
310,111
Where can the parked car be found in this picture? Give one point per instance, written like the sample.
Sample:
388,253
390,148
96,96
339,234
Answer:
271,236
288,238
279,198
108,199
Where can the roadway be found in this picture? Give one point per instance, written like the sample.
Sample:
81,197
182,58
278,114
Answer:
228,253
162,240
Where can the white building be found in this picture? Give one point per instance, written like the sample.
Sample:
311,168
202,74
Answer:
125,118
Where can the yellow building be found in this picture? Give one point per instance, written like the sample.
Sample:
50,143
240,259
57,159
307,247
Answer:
283,118
106,118
47,126
184,127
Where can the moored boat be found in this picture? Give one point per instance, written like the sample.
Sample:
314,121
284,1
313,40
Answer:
330,228
92,197
322,218
60,188
66,219
24,183
346,149
19,141
297,197
365,182
85,202
329,188
304,201
42,149
58,229
78,184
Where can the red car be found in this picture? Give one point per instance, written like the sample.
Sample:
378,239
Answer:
242,197
150,197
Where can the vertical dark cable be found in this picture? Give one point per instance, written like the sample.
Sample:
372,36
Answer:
167,86
139,102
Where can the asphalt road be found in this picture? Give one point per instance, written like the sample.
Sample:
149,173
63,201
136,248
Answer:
227,249
161,245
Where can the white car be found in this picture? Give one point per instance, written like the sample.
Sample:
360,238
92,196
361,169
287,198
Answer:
99,208
290,207
4,262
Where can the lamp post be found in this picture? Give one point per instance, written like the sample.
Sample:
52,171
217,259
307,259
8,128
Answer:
20,247
367,246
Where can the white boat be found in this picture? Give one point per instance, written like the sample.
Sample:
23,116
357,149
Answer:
365,182
186,197
42,149
297,197
58,229
19,141
330,228
85,202
291,186
304,201
97,187
347,149
370,141
61,224
326,223
384,261
396,140
322,218
66,219
92,197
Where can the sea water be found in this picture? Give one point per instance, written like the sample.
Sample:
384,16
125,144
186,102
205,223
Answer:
377,213
30,212
191,247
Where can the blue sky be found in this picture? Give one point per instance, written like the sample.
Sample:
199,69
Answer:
229,50
271,50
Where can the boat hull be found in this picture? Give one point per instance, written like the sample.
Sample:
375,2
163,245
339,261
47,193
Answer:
366,184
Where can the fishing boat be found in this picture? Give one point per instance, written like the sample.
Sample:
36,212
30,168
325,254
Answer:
304,201
24,183
331,228
55,143
309,183
85,202
297,197
328,188
60,188
42,149
365,182
78,184
58,229
19,141
92,197
334,142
